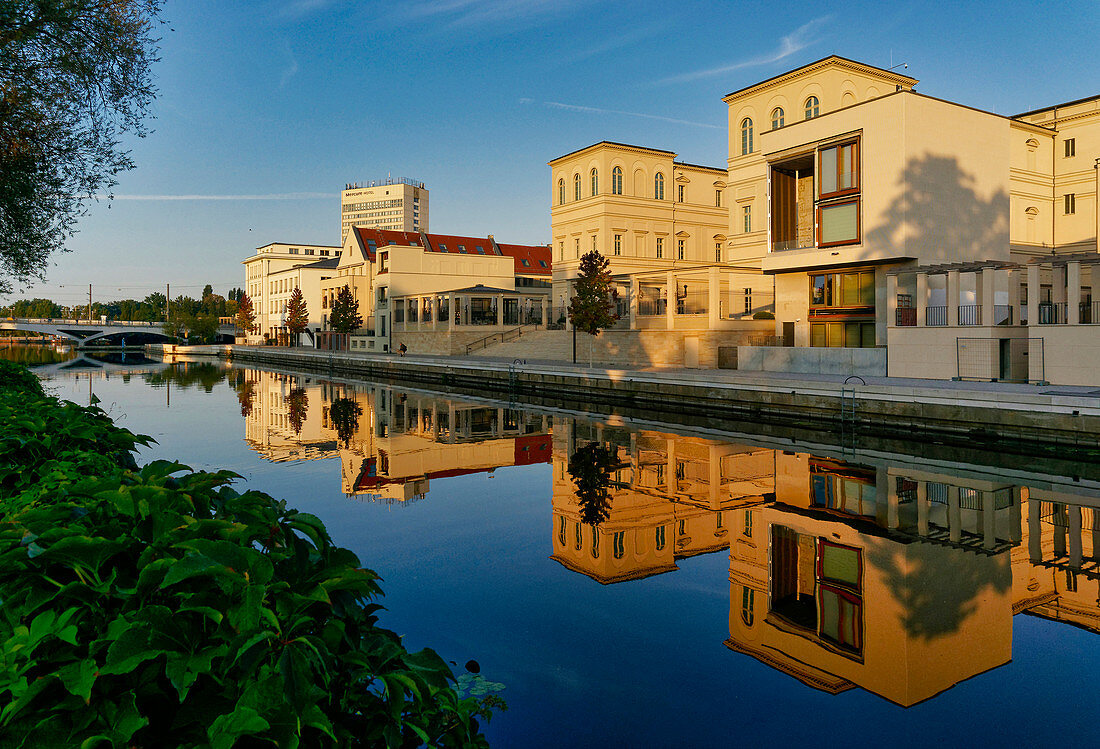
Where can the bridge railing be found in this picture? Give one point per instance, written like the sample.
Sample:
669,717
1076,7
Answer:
94,323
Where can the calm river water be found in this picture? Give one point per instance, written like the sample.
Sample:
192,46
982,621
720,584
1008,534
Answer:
698,590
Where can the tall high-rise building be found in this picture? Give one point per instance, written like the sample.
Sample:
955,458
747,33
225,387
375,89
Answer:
397,204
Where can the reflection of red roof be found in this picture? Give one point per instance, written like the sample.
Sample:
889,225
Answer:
532,449
529,259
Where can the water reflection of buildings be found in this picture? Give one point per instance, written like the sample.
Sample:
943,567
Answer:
895,576
395,442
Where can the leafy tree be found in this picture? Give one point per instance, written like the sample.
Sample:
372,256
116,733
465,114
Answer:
202,326
246,315
590,468
297,316
592,307
207,291
158,303
345,315
74,77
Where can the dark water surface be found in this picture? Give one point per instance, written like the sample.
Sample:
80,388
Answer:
698,590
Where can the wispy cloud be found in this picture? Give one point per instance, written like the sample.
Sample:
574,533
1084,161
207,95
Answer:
270,196
600,110
290,70
617,41
299,8
466,13
796,41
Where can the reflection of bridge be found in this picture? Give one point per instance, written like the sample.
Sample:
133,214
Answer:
86,331
85,363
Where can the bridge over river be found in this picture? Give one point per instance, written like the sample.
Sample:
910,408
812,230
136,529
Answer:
84,332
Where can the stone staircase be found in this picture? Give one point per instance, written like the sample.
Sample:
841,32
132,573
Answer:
539,345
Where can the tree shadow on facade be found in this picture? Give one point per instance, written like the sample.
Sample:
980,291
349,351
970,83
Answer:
940,214
938,587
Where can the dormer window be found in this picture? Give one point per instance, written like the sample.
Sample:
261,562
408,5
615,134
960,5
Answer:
526,263
542,263
442,246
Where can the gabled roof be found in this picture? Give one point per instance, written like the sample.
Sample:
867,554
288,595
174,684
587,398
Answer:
613,144
328,262
528,259
828,62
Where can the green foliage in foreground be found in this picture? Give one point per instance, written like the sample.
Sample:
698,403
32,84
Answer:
159,606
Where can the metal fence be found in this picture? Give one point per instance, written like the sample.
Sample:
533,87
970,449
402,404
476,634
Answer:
1000,359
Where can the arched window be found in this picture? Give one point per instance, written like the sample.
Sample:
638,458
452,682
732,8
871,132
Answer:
659,186
616,181
561,192
595,178
576,187
595,543
813,106
747,596
746,136
777,118
620,544
659,533
561,530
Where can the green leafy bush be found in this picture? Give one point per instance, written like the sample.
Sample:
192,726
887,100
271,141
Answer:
18,377
763,315
160,606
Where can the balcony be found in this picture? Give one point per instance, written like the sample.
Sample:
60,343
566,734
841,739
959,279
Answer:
906,317
935,317
970,314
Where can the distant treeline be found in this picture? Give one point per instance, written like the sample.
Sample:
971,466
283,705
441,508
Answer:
150,309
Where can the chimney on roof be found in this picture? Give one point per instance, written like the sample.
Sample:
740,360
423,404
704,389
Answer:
425,242
496,247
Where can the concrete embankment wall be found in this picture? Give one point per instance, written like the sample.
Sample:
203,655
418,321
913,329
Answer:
1022,423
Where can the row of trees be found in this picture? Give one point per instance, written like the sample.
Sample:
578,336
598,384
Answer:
150,309
343,318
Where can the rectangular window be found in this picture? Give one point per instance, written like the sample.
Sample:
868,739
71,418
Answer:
748,300
593,242
679,249
1071,147
838,166
717,198
577,247
618,244
717,252
679,193
660,247
746,218
838,223
1071,203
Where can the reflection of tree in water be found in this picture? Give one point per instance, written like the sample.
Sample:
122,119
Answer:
938,587
246,390
590,467
189,374
344,414
297,403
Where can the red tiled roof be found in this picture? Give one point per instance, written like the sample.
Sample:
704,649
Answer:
529,259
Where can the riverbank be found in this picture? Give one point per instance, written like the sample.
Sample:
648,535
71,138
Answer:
1020,418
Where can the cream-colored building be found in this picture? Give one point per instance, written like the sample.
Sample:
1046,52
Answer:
271,275
395,204
379,265
855,175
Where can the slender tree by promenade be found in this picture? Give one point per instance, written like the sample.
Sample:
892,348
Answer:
345,316
246,314
297,316
592,307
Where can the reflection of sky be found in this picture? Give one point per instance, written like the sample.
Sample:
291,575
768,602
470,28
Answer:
641,663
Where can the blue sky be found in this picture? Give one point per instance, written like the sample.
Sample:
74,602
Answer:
266,109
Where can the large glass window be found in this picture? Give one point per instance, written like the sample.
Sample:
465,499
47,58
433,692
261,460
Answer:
618,244
594,177
746,136
576,187
659,186
617,181
838,209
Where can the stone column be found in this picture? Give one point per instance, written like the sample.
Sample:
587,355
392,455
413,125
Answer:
714,476
891,300
1058,284
634,286
922,298
499,299
1073,292
922,508
1013,281
988,296
1015,517
1034,289
954,294
989,534
954,514
714,295
670,300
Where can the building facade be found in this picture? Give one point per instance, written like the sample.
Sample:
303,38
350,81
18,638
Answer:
271,275
393,204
